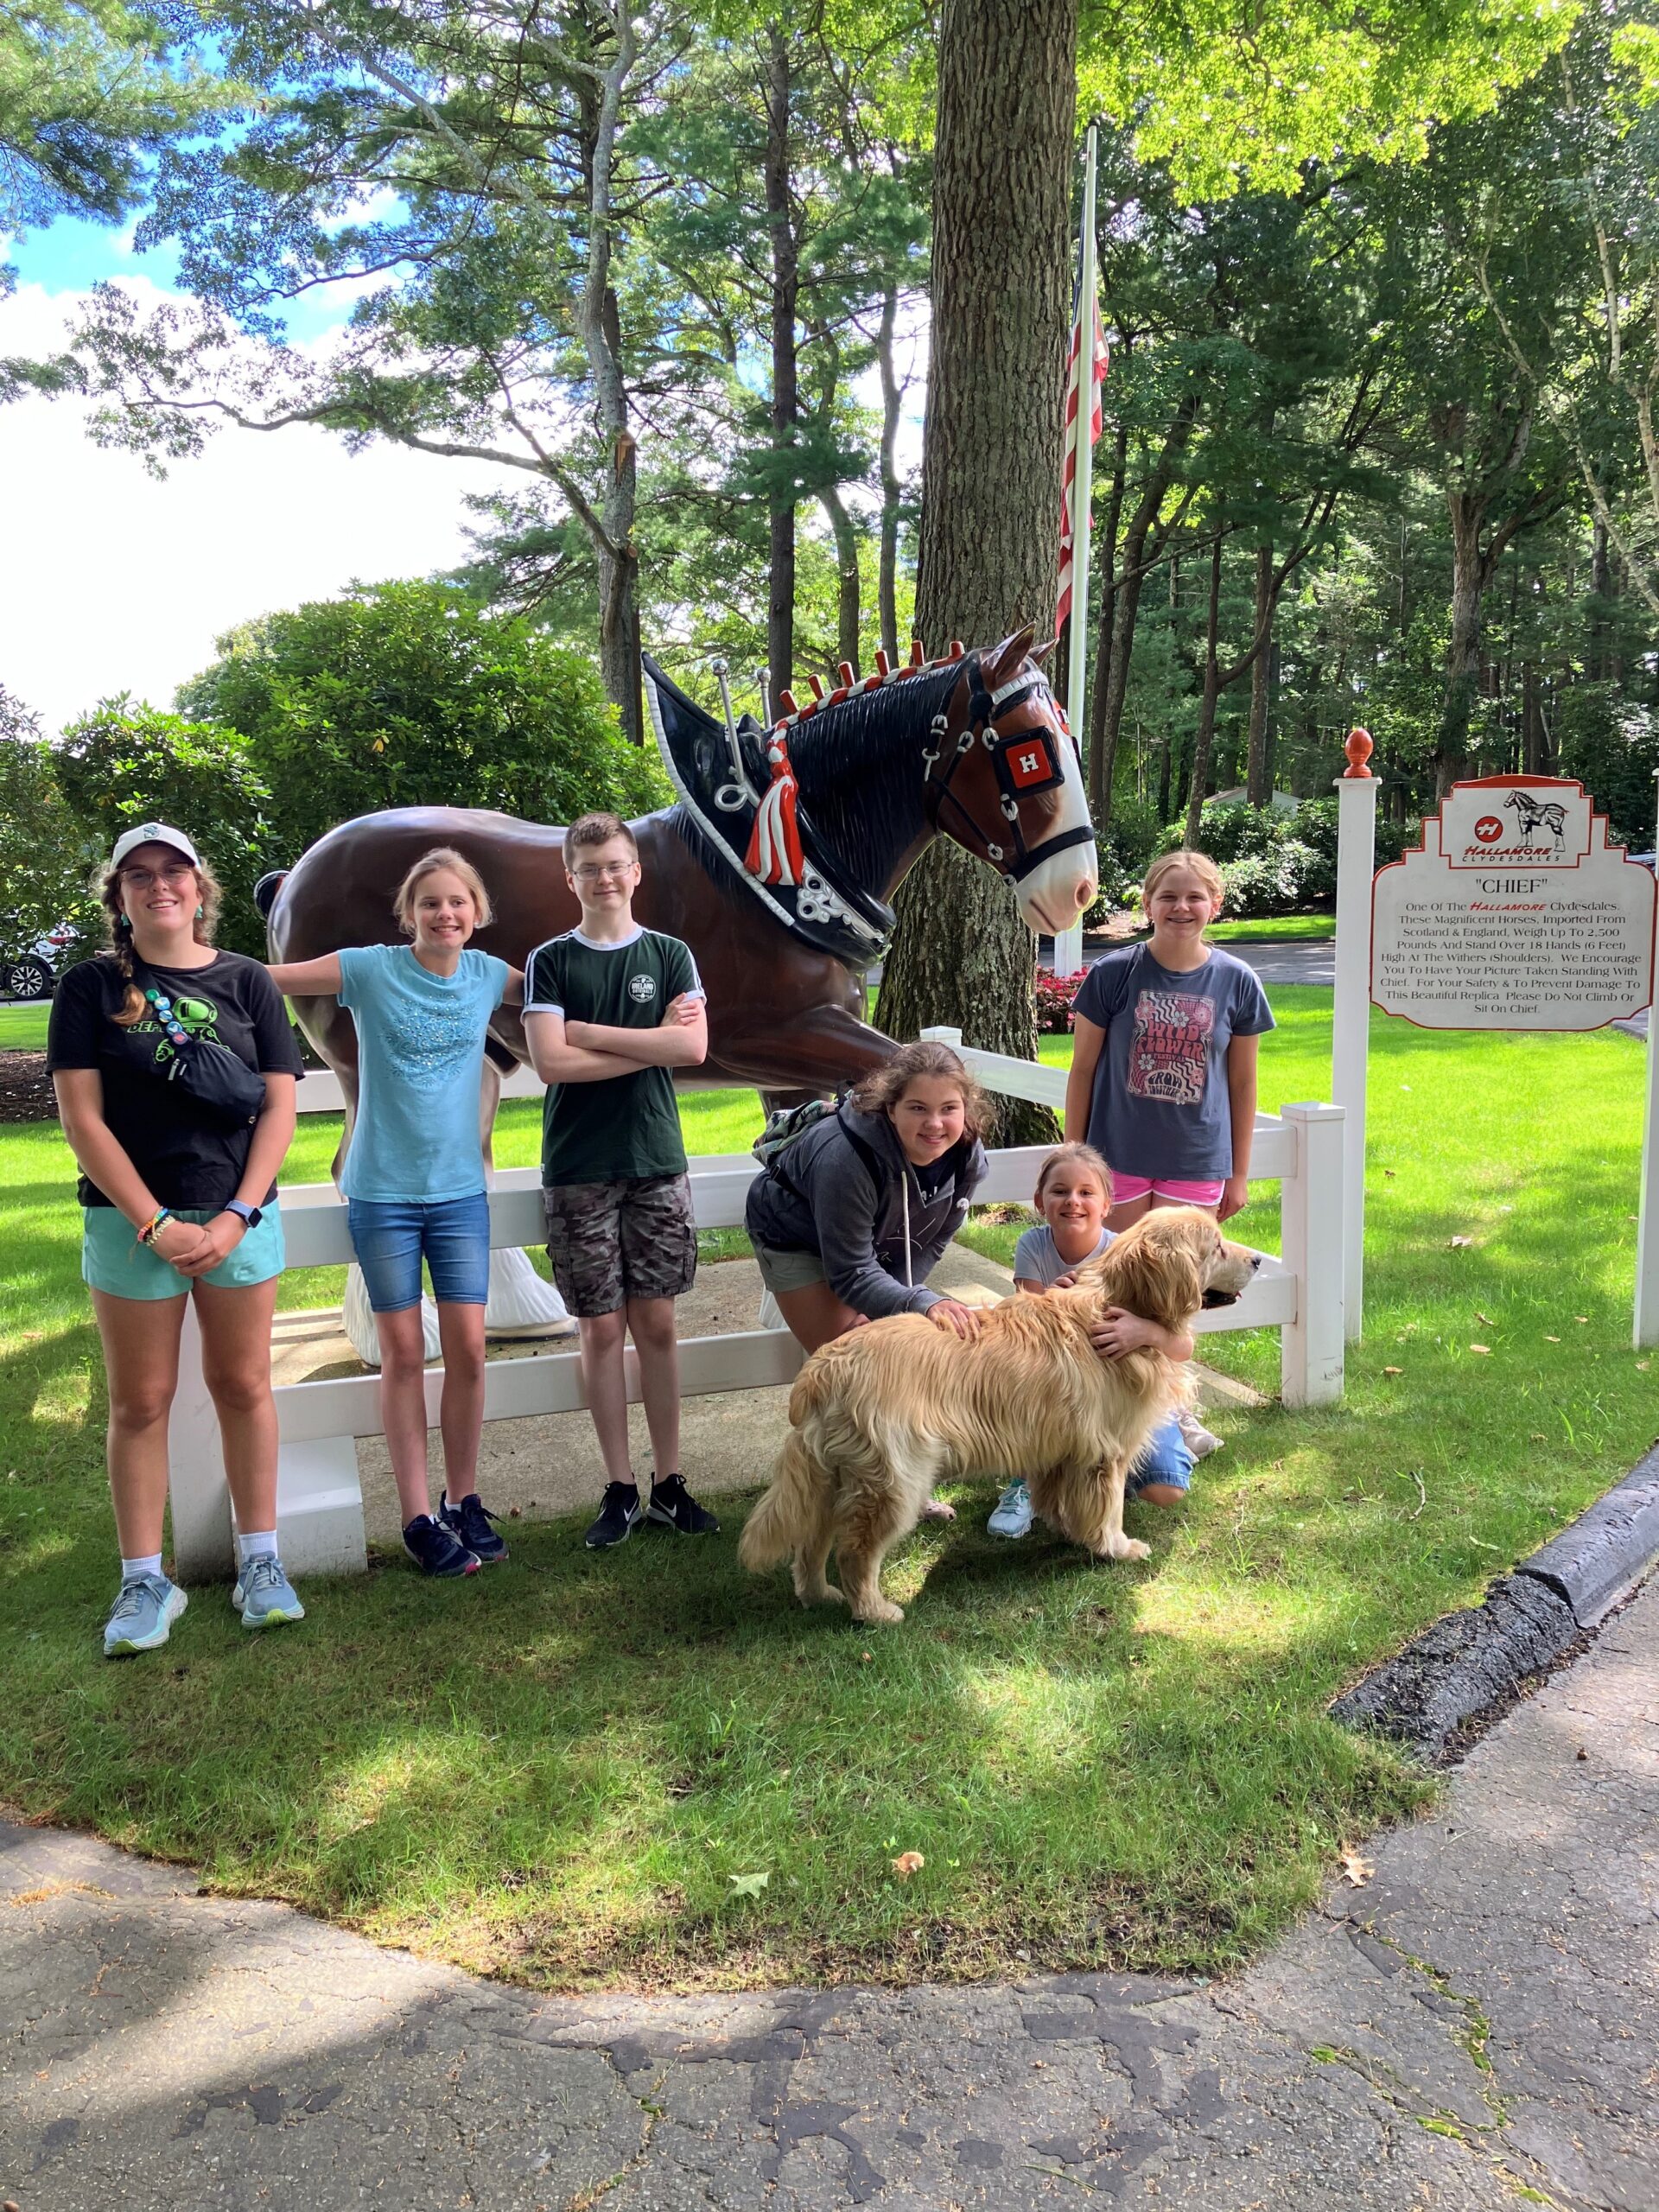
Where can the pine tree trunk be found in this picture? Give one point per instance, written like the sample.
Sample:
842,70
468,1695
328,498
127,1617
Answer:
848,600
1126,605
1103,646
1471,573
892,396
786,407
1601,590
988,557
1258,774
1202,742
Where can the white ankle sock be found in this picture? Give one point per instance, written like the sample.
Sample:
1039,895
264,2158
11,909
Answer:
256,1547
132,1568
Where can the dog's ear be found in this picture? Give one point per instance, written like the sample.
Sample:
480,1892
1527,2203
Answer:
1158,1274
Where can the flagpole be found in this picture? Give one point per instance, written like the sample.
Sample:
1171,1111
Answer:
1068,946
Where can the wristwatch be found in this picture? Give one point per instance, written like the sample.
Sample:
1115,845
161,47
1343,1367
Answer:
249,1217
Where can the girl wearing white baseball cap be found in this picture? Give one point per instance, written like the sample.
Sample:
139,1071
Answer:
174,1069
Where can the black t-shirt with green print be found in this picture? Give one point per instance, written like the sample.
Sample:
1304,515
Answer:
186,1157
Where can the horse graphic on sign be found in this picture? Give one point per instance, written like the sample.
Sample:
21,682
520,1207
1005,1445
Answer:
1530,815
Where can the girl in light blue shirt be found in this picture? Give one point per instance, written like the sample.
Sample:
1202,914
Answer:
413,1180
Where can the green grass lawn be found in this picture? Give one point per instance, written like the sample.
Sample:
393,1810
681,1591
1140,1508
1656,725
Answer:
575,1769
1274,928
22,1028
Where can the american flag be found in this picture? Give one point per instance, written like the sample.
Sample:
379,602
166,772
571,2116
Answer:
1099,366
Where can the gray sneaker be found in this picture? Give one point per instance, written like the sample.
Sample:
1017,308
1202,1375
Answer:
1012,1515
142,1617
265,1593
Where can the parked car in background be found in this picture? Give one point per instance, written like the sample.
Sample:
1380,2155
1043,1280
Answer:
31,974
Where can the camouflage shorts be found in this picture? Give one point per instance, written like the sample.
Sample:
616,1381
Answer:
612,1241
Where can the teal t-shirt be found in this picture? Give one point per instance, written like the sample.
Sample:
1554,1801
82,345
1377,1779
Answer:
628,1126
420,1051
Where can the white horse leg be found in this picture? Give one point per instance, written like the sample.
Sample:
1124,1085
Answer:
521,1303
358,1319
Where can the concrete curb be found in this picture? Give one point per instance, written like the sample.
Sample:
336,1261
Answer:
1439,1693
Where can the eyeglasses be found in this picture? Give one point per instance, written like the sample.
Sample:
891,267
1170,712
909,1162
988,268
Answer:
142,879
597,871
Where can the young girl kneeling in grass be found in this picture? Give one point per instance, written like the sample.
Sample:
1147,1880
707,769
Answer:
1074,1196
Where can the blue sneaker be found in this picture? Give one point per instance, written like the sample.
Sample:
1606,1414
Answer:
142,1617
265,1593
433,1549
468,1522
1013,1516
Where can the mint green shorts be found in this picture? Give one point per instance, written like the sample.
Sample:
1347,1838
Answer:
113,1260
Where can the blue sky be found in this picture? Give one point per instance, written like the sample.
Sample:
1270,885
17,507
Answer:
119,581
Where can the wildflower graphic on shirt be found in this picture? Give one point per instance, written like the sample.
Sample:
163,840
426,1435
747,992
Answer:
1169,1046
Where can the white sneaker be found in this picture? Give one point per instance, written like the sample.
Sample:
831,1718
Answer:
1199,1440
1013,1516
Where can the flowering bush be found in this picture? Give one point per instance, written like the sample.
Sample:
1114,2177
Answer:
1054,997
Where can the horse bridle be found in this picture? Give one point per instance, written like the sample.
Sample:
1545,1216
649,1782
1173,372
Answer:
985,709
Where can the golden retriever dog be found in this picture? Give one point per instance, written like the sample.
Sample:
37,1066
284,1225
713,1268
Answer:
885,1412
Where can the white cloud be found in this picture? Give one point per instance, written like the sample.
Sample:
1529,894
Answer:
111,581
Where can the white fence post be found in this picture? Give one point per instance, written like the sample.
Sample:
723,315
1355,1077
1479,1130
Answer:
1350,1011
944,1035
195,1468
1312,1235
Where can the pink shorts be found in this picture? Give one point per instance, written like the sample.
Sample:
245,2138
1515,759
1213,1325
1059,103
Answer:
1126,1188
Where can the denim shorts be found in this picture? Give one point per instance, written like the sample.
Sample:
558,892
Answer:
112,1260
391,1236
1164,1459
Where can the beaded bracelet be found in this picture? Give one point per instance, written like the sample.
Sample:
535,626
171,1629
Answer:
152,1228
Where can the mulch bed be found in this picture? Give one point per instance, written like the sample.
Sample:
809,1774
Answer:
26,1088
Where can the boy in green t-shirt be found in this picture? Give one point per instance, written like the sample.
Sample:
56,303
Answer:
610,1010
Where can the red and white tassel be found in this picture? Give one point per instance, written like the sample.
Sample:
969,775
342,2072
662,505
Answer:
774,854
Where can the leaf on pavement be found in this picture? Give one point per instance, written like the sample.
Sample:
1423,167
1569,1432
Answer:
1355,1870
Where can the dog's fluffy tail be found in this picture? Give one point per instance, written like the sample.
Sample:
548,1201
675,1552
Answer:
788,1512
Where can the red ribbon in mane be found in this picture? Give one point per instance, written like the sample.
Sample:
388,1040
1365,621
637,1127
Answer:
774,854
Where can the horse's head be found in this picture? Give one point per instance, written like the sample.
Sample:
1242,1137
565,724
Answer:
1004,782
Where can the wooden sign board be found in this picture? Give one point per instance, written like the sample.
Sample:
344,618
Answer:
1515,913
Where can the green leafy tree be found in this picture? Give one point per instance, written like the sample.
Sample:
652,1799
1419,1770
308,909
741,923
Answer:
410,694
127,762
46,856
88,90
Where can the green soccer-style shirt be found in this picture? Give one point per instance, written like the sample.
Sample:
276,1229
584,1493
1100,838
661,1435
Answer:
629,1126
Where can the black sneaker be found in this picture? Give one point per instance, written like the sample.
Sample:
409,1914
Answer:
468,1522
618,1511
672,1506
433,1549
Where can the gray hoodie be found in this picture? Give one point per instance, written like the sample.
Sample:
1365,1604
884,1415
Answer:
820,1195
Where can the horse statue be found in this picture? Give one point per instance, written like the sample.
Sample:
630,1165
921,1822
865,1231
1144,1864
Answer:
777,864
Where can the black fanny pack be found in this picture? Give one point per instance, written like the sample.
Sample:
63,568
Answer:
221,1085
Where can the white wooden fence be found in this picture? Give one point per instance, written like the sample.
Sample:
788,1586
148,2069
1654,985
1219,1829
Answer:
320,1501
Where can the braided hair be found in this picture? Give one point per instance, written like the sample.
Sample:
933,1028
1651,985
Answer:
208,895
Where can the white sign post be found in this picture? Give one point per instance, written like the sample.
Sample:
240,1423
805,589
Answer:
1516,914
1351,1019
